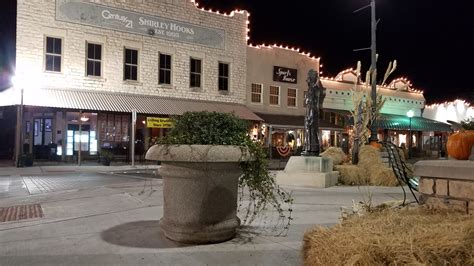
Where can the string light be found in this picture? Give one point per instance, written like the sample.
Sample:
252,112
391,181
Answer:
298,50
287,48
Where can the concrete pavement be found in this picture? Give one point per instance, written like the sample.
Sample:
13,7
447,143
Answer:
112,219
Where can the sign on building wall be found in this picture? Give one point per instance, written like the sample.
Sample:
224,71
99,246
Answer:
159,122
132,22
284,74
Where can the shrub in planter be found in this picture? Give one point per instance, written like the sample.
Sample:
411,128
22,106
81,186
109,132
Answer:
205,158
106,157
27,159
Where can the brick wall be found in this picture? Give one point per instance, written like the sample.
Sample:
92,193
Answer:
447,183
36,19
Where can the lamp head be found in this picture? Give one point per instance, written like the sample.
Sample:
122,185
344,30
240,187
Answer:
410,113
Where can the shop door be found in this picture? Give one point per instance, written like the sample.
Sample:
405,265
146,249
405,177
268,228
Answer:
76,137
43,136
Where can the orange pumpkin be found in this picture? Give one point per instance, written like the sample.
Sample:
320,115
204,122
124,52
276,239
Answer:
375,144
460,144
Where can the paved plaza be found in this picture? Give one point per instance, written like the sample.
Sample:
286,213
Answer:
96,215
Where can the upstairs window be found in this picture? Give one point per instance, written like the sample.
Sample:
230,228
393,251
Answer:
274,95
291,100
223,77
130,68
53,54
165,69
94,59
195,73
256,93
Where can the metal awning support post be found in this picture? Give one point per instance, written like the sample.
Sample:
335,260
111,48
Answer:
134,125
80,138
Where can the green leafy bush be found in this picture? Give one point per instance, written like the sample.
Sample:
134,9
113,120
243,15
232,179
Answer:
212,128
106,156
27,159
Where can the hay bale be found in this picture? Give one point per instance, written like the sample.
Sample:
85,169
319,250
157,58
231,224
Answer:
382,176
352,175
336,154
368,156
394,237
378,173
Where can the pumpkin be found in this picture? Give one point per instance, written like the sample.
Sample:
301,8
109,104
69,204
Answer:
460,144
375,144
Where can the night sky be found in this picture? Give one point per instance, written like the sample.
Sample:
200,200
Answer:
432,40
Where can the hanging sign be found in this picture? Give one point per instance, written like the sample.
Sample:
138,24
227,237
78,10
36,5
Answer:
159,122
283,74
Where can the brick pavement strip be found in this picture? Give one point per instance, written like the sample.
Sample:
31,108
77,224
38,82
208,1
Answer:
20,212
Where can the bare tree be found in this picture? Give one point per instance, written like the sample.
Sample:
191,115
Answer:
362,112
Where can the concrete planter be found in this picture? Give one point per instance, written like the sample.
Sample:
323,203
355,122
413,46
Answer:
200,185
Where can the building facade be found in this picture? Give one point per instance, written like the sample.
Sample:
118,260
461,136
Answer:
95,75
83,68
276,91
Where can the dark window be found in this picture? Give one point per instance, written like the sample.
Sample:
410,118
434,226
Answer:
256,93
130,69
291,100
195,73
53,54
165,69
274,95
223,76
94,59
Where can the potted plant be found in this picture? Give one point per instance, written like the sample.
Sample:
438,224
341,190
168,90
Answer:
203,158
27,159
106,157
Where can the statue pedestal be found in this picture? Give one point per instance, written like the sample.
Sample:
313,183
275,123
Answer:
308,171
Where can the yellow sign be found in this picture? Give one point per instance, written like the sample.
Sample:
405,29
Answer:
159,122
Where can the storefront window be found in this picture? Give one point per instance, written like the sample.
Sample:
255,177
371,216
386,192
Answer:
326,139
113,130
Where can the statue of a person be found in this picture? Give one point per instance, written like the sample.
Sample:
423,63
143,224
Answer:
314,104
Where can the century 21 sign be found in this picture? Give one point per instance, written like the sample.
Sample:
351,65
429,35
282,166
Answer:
159,122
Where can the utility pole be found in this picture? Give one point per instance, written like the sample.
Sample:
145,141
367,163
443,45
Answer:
373,72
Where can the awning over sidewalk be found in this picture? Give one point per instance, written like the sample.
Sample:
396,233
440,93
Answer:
401,122
121,102
288,121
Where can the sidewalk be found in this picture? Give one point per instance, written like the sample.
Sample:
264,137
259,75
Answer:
69,168
118,223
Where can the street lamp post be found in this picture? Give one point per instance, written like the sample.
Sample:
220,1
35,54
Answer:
19,124
410,115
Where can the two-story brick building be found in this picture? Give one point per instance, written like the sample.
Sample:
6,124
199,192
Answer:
84,67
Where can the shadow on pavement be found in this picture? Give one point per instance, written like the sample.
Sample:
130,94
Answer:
140,234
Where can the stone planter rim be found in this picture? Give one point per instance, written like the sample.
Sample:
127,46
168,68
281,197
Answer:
197,153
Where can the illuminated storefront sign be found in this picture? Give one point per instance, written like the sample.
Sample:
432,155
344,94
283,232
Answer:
283,74
159,122
118,19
